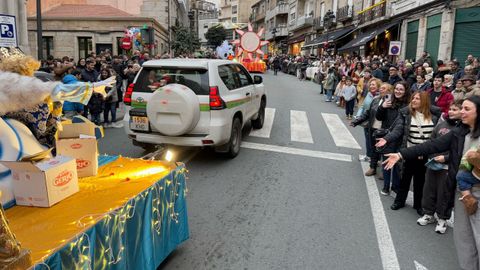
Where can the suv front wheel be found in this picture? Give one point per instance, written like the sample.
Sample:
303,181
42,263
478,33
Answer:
258,123
235,138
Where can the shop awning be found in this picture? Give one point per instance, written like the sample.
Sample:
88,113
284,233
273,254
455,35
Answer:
332,36
296,39
363,38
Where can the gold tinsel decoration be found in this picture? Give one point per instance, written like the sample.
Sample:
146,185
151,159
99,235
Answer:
13,60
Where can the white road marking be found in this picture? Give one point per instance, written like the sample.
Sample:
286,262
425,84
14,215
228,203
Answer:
340,133
384,238
300,129
409,201
419,266
266,130
297,151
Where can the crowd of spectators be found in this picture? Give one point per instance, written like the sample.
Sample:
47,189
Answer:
420,120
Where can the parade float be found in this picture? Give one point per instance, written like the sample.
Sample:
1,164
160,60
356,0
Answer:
248,49
126,214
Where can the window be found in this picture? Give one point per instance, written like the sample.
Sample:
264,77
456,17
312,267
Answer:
234,9
244,78
293,16
150,79
234,19
47,45
84,46
226,74
205,25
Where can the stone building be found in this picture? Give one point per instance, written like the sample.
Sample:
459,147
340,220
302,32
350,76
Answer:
446,29
276,21
201,10
167,13
77,30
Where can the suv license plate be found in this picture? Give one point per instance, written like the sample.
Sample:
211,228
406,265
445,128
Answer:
139,123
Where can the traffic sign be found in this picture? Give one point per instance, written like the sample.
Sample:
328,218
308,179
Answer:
8,31
126,43
395,47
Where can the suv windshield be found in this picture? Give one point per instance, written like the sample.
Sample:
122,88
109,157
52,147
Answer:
152,78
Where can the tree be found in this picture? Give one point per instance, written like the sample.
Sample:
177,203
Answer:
216,35
185,41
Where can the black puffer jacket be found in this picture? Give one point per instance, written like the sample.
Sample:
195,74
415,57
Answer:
388,115
398,136
369,114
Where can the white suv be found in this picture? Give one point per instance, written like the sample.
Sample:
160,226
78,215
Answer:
193,102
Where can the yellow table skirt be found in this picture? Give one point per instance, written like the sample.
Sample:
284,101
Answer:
45,230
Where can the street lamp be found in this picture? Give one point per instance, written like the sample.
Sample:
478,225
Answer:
274,31
39,31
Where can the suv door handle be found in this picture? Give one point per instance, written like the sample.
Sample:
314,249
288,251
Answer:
247,94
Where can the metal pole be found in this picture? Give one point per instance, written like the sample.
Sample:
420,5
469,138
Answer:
169,30
39,31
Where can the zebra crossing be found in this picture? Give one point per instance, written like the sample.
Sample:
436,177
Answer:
300,128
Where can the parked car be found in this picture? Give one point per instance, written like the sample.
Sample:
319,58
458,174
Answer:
193,102
312,70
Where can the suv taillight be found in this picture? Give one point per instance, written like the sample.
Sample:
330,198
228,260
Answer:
127,99
216,102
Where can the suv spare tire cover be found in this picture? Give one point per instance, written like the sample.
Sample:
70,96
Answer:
173,110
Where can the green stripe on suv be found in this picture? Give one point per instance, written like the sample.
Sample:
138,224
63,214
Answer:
203,107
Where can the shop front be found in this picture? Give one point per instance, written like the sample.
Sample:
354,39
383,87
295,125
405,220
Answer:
466,34
295,45
373,41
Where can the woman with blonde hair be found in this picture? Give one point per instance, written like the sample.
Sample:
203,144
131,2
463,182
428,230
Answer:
414,125
366,117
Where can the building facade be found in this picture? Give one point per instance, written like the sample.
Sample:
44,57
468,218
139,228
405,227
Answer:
202,13
18,8
76,30
276,21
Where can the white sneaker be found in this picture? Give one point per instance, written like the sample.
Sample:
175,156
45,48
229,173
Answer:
441,227
426,219
107,125
117,125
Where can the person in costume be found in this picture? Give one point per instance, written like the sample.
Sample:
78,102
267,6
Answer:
35,103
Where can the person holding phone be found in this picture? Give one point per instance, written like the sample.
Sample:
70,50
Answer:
386,114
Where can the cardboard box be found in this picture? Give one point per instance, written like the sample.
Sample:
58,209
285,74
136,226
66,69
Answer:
43,183
78,141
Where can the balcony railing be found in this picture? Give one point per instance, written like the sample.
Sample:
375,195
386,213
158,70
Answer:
318,23
281,31
279,9
345,13
376,11
402,6
302,22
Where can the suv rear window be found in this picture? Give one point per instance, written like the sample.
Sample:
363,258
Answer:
150,79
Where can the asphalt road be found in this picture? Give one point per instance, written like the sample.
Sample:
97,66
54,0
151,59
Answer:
268,209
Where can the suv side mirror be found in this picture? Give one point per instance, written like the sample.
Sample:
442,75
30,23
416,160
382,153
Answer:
257,79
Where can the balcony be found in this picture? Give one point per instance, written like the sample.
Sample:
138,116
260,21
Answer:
281,31
318,23
279,9
257,16
345,13
402,6
371,13
302,22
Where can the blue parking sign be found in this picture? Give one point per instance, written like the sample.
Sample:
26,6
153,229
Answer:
8,31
